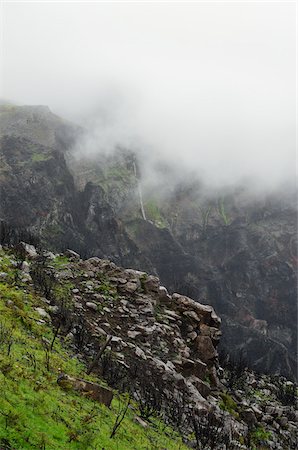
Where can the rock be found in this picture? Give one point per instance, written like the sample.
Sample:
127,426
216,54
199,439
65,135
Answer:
26,278
94,261
100,331
213,332
88,388
197,368
283,421
25,267
150,283
65,274
28,249
133,334
71,254
274,411
140,353
91,305
203,388
42,313
258,413
69,337
205,348
267,418
249,417
205,312
129,287
172,314
163,293
98,297
49,255
78,305
192,336
116,339
192,315
141,422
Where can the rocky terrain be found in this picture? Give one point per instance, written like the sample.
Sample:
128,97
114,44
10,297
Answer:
232,250
161,348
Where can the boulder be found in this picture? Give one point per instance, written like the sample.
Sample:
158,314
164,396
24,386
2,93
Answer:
129,287
249,417
205,348
92,305
213,332
71,254
28,249
150,283
203,388
197,368
93,390
42,313
25,267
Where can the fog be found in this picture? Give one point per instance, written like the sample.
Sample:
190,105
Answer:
208,87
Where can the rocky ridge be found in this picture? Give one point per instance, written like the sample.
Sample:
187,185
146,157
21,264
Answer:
167,341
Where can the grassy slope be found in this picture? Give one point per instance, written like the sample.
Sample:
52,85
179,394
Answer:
35,413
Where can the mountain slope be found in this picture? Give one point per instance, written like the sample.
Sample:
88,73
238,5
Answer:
230,249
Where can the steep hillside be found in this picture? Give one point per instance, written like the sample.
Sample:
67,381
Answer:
231,249
36,412
79,334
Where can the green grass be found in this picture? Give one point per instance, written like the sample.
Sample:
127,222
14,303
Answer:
228,404
153,213
35,413
60,261
259,436
38,157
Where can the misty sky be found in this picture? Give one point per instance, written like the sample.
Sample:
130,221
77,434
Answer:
209,85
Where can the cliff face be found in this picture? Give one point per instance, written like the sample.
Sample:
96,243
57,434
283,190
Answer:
234,252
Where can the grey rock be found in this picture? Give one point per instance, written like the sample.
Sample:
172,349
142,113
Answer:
25,267
133,334
92,306
283,420
42,313
248,416
71,254
29,250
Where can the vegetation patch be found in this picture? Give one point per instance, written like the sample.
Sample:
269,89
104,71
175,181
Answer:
38,157
228,404
153,213
259,436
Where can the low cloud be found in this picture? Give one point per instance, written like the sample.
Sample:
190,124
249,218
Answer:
208,89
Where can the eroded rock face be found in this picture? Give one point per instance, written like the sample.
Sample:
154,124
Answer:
145,322
150,323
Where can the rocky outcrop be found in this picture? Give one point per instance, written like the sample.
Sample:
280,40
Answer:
174,335
161,348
